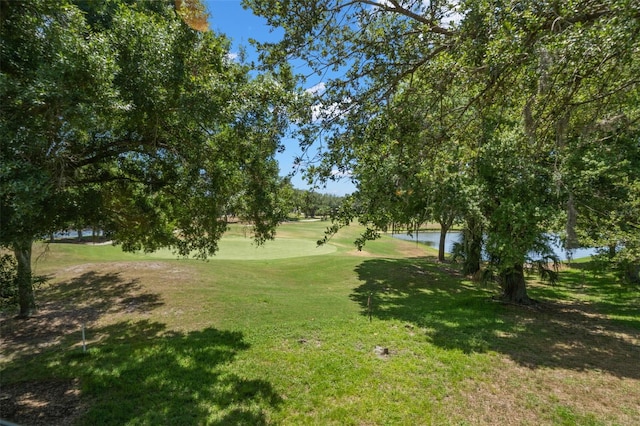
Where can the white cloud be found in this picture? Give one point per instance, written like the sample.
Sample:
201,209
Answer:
321,112
232,57
315,112
318,110
341,174
454,16
318,89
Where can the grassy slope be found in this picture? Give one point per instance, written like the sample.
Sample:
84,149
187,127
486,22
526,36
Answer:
292,340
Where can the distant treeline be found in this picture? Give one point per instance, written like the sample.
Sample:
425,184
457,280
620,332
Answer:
311,204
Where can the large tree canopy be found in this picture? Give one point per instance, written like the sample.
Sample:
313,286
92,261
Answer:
496,97
120,114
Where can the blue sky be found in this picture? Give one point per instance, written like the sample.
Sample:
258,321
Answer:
240,25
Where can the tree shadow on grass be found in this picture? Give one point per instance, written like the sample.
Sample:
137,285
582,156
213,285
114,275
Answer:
32,392
133,372
457,315
70,304
610,296
140,373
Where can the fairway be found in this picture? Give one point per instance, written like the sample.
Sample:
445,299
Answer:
290,333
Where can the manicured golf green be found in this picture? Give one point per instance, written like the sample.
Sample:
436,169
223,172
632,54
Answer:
244,248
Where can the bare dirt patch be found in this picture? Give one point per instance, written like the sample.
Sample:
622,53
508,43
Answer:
361,253
41,403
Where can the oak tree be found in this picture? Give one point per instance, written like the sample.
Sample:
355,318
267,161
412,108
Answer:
120,111
530,74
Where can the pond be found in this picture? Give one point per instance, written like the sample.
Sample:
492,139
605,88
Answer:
432,239
73,233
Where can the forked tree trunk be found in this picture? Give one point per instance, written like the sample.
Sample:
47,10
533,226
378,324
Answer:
26,300
445,221
514,287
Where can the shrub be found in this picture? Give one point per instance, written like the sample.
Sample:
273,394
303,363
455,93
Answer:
8,282
8,285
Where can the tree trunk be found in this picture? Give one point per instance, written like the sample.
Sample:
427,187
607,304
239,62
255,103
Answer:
443,236
26,300
514,287
444,228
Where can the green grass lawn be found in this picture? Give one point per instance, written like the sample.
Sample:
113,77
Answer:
292,334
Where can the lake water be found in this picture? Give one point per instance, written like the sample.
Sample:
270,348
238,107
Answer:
432,239
72,233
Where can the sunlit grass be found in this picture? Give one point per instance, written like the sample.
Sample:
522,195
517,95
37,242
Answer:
387,336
